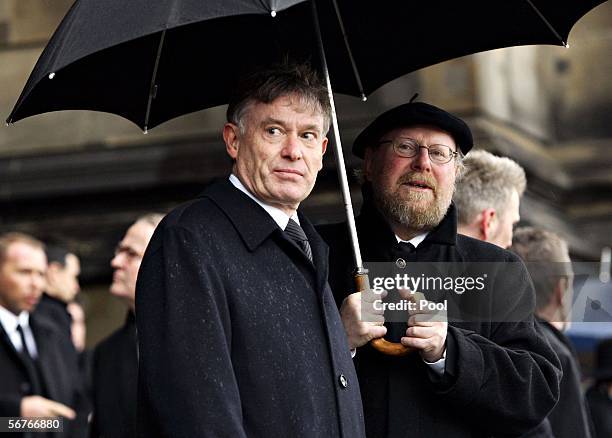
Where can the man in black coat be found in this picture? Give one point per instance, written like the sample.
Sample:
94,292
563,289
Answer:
62,287
547,259
487,373
115,359
599,396
237,327
38,363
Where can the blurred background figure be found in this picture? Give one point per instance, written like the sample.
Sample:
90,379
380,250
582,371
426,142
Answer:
115,359
547,258
488,197
599,396
62,287
78,328
38,364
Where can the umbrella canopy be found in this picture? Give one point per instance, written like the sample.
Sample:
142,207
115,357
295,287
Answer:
152,61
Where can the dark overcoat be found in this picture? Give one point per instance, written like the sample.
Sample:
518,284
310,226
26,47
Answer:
238,331
501,378
570,417
56,312
600,406
115,379
58,374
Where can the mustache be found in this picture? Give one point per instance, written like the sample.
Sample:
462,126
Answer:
414,177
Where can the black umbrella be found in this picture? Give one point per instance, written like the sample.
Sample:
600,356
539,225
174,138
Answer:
151,61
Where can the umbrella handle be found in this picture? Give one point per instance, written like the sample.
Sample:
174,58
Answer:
381,344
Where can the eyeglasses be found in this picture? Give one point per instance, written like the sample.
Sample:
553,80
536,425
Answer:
409,148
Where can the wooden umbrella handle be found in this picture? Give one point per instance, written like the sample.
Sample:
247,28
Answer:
362,283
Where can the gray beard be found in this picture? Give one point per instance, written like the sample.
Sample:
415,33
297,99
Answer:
408,213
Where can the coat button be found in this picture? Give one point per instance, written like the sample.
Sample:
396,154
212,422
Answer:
343,381
400,263
25,387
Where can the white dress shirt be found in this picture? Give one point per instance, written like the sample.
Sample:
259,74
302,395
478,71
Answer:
10,321
279,216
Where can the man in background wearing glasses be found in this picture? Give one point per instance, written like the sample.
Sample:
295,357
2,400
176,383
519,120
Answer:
476,377
115,359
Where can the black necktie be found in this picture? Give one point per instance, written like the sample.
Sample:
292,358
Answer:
30,363
295,233
406,247
24,347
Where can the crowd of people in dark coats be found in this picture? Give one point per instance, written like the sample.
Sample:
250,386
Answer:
242,319
46,370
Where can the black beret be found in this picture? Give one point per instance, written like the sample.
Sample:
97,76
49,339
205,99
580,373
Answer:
410,114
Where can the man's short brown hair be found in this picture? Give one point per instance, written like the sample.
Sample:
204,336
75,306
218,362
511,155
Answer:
265,86
7,239
546,256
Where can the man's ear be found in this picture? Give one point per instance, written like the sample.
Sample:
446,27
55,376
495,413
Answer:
561,286
52,275
324,146
323,149
367,163
486,219
231,138
54,268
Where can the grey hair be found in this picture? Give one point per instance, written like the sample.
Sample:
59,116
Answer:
546,256
265,86
487,181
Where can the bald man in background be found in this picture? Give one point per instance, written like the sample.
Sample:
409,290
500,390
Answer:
115,360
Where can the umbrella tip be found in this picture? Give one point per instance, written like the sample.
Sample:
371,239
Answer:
364,97
145,131
51,75
273,13
566,45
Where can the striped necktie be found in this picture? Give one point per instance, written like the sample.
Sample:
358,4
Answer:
295,233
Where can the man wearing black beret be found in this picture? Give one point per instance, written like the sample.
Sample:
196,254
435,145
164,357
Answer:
490,374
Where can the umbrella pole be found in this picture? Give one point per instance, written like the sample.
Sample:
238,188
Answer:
338,153
361,274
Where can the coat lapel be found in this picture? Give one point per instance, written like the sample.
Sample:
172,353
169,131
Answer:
4,338
320,252
254,225
28,367
46,359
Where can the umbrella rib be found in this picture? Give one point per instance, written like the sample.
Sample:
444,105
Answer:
350,53
550,26
153,87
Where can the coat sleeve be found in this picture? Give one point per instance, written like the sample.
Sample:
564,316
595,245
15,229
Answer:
10,405
508,382
186,384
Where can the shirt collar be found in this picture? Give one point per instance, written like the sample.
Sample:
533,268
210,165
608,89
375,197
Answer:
10,321
415,241
279,216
